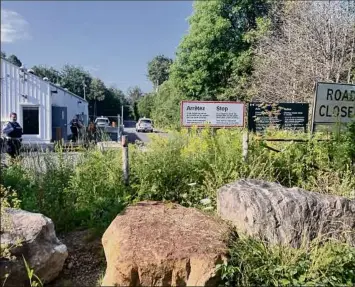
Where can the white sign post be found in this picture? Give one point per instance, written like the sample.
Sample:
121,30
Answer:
214,114
333,103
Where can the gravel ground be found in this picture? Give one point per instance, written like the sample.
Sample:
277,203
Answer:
85,265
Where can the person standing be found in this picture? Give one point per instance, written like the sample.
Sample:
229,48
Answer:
92,132
75,125
13,135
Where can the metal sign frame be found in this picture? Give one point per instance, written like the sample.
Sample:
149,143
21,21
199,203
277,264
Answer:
313,123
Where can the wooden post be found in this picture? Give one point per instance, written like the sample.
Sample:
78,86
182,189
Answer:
125,166
118,127
245,145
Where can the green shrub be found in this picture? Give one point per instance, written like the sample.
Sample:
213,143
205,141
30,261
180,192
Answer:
255,263
96,189
188,167
185,167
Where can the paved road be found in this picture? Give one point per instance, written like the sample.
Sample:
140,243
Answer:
133,136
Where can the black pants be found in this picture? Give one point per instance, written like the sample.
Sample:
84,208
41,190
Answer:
13,147
91,136
74,132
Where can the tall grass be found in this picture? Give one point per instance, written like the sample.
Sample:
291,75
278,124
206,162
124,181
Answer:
255,263
86,190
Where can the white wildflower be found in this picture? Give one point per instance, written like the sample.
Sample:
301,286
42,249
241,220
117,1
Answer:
205,201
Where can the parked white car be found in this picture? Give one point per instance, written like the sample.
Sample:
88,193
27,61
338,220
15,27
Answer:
144,125
102,122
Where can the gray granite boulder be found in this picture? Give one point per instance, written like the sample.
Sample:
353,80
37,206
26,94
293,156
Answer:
285,215
40,247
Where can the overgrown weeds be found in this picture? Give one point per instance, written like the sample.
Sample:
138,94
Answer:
253,262
86,190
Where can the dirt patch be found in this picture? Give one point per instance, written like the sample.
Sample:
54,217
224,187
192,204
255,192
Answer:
85,264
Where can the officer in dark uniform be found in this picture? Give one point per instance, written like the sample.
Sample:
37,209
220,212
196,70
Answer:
13,134
75,125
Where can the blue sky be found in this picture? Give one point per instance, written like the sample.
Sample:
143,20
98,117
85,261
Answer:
114,40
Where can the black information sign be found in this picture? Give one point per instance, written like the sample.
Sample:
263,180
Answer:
291,116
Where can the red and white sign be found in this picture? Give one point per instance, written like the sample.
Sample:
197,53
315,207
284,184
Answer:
214,114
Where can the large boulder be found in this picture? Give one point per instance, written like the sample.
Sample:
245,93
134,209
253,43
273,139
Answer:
288,216
40,247
164,244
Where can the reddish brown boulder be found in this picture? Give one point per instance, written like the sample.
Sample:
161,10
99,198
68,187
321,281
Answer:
164,244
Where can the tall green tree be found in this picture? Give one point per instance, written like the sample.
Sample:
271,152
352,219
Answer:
111,105
14,60
134,94
145,105
158,70
3,55
166,109
97,92
76,80
52,74
209,54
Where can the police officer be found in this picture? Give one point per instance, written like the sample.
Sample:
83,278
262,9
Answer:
75,125
13,135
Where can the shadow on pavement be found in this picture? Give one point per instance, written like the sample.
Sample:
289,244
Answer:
132,137
129,124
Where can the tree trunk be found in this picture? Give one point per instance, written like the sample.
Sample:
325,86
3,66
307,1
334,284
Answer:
95,108
351,61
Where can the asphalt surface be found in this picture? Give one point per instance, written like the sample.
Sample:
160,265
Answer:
133,136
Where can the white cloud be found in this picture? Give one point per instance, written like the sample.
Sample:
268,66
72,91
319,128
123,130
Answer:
13,27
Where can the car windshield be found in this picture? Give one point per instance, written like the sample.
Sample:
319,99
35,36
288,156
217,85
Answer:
145,122
101,121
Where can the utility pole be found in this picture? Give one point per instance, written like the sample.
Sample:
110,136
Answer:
122,114
84,90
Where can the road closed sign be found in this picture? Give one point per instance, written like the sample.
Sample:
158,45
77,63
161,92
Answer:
214,114
334,103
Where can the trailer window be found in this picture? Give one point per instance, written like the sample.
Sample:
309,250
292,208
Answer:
30,120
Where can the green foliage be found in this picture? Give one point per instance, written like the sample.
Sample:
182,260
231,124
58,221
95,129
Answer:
97,190
74,78
97,90
14,60
145,105
134,94
8,199
166,109
185,167
158,70
52,74
111,105
3,55
103,100
88,194
32,277
188,167
254,263
216,51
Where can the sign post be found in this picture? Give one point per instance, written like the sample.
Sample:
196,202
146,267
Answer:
333,103
214,114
